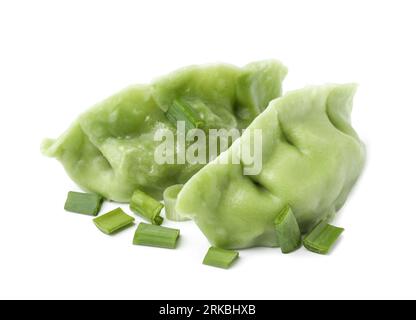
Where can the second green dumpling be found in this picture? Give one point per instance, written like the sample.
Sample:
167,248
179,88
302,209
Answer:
310,159
109,150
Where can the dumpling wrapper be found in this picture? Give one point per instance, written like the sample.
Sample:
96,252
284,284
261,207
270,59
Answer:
311,159
110,149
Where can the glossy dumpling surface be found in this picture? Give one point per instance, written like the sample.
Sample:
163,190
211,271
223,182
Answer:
110,149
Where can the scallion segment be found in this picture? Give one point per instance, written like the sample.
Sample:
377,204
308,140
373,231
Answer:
220,258
113,221
84,203
182,111
147,207
170,195
322,238
156,236
287,230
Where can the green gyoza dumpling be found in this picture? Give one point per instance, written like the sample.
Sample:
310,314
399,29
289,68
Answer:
110,149
311,158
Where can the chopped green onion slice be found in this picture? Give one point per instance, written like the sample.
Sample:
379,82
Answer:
156,236
147,207
113,221
85,203
287,230
220,258
182,111
169,197
322,237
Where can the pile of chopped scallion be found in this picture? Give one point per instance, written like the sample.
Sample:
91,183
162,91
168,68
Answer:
319,240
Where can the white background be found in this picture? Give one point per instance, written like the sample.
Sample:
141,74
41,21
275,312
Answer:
59,57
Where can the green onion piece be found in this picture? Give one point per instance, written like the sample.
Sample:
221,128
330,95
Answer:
182,111
85,203
287,230
170,195
220,258
322,237
156,236
147,207
113,221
